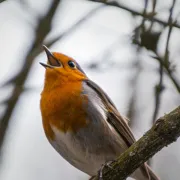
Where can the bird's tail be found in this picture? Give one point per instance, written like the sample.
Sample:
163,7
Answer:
144,173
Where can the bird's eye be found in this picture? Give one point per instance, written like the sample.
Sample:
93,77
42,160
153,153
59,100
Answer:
71,64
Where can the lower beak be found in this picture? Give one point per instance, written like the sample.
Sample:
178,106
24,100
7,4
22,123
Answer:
46,65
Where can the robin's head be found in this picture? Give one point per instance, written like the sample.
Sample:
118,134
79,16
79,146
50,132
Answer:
61,69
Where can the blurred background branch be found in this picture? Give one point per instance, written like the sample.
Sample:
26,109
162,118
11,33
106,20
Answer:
148,16
42,30
2,1
159,87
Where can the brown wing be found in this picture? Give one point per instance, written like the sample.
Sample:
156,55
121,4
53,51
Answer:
120,125
114,117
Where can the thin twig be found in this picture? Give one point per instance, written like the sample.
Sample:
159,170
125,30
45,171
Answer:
144,13
150,16
159,88
167,69
158,91
154,3
154,19
166,58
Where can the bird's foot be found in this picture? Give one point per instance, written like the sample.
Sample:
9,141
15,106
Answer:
107,164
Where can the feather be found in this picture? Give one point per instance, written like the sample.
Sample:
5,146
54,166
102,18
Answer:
114,118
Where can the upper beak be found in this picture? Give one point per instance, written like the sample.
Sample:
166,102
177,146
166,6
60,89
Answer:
53,62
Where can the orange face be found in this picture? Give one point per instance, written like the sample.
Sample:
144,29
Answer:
62,69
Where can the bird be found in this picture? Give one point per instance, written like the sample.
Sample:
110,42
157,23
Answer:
80,120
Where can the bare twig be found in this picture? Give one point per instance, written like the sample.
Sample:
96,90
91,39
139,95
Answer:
154,2
150,16
168,71
165,131
166,58
153,19
159,88
144,13
43,28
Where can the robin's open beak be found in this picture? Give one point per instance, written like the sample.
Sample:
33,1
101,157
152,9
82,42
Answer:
53,62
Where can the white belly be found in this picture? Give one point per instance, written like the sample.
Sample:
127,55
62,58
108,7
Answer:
71,149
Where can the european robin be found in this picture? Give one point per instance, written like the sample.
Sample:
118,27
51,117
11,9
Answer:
80,120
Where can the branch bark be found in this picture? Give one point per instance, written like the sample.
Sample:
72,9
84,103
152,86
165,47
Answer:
165,131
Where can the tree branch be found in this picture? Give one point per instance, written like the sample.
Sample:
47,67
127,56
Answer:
165,131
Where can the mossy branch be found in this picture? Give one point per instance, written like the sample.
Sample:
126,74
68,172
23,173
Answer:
165,131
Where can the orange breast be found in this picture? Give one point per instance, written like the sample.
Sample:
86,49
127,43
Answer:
63,108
